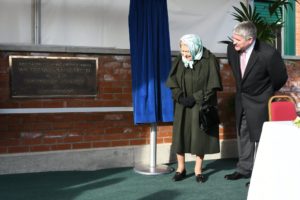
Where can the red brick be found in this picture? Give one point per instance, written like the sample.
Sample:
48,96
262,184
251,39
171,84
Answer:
127,91
12,119
132,136
81,145
116,102
82,125
75,103
120,143
78,117
127,125
61,147
61,117
112,65
94,117
107,85
19,128
138,142
18,149
9,142
9,135
73,139
115,136
29,118
96,130
105,96
92,138
40,148
164,129
159,140
123,96
221,130
114,130
114,116
41,126
53,104
167,140
112,90
55,134
93,104
31,104
101,144
164,134
29,142
3,150
8,104
62,125
49,140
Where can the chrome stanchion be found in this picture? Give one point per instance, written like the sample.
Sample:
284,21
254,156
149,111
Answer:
152,168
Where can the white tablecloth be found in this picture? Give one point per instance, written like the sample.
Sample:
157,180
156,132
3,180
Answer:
276,172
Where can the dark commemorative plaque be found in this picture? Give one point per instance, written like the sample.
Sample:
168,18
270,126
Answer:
37,76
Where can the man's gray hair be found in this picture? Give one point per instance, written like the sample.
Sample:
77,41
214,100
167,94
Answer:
246,29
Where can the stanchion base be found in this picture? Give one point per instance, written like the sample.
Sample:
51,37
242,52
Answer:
147,170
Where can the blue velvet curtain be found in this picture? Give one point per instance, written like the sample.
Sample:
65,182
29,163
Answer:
150,60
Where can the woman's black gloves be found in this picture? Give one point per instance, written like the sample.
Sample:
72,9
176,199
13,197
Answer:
187,101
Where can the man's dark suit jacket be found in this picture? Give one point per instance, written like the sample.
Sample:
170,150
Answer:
265,73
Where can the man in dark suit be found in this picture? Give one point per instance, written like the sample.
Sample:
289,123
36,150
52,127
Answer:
259,71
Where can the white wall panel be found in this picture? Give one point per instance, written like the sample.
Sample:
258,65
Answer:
211,20
96,23
15,21
104,23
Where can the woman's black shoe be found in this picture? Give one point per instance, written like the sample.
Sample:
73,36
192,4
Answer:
200,178
179,175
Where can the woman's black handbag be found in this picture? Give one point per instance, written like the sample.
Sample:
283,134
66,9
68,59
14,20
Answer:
208,117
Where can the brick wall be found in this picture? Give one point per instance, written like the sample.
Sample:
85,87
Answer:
65,131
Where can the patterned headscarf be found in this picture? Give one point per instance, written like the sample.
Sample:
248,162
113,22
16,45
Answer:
195,46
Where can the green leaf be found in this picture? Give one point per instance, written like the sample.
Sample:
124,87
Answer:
266,31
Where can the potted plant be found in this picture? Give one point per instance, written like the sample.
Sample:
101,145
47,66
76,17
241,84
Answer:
266,31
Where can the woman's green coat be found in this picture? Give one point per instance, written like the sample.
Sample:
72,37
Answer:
202,82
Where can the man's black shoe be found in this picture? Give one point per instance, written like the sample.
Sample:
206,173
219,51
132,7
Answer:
236,176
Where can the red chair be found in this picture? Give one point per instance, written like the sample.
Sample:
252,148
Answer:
282,108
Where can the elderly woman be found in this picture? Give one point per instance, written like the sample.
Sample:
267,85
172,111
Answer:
194,81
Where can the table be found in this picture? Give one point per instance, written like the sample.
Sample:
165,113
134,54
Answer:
276,171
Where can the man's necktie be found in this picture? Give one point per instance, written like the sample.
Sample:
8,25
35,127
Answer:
243,62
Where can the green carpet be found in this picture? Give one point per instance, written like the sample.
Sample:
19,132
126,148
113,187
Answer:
124,184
